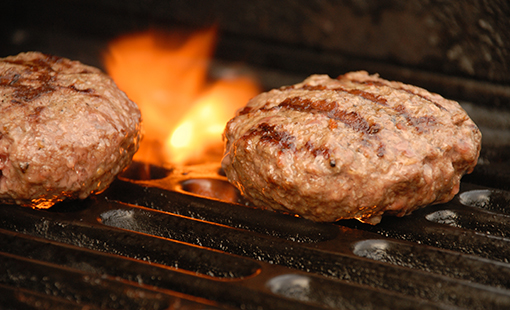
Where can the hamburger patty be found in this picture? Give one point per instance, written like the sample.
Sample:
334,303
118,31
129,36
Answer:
66,130
353,147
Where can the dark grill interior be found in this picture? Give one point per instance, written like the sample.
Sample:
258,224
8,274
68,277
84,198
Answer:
183,238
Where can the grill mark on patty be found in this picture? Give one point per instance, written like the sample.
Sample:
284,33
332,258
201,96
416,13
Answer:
85,91
37,64
417,123
283,139
318,151
420,124
269,134
351,119
25,89
356,92
378,83
286,141
25,92
245,110
36,113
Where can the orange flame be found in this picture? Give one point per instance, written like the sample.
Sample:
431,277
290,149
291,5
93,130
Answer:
167,76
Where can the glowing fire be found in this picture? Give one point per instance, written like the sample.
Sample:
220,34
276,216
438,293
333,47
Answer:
167,76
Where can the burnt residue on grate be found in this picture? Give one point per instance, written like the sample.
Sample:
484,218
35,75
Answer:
184,239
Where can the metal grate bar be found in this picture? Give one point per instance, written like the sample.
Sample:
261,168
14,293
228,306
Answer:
149,244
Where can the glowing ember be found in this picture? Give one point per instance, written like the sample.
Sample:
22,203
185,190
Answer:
166,75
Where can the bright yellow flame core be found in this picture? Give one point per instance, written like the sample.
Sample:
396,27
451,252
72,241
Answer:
203,124
182,135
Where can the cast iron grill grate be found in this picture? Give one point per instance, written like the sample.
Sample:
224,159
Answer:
179,239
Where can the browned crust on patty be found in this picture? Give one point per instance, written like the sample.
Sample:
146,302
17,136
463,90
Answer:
66,130
353,147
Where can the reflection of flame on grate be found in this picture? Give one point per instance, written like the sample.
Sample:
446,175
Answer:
183,113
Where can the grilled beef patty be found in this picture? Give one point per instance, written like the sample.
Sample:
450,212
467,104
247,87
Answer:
353,147
66,130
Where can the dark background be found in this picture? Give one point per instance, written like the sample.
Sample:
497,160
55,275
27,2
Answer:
460,49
